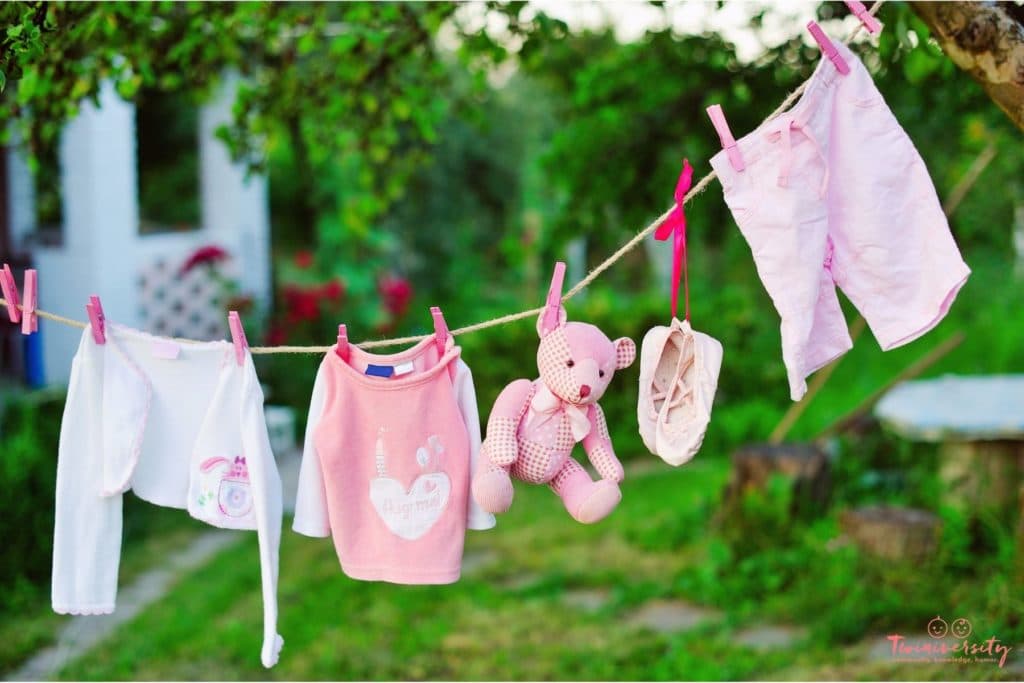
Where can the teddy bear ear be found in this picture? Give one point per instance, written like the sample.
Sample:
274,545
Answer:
547,324
625,352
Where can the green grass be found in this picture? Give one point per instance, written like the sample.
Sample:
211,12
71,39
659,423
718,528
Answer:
28,624
508,620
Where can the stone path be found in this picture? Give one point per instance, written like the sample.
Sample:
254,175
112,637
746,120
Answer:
767,637
587,600
81,633
672,616
677,616
474,560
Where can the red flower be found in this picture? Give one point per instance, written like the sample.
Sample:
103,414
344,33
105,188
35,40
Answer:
301,304
277,335
397,293
333,290
304,258
208,254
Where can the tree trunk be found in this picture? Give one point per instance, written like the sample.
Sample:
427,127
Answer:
985,39
893,533
805,465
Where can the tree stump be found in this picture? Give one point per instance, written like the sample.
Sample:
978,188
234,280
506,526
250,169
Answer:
1020,537
981,475
893,533
806,465
979,425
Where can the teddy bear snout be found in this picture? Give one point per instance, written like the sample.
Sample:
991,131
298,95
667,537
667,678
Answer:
587,375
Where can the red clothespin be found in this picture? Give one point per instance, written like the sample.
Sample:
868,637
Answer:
858,9
342,348
827,48
440,329
29,319
10,289
732,150
675,225
554,314
97,321
238,336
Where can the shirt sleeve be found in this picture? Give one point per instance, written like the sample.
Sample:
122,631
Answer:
465,394
87,526
267,506
311,517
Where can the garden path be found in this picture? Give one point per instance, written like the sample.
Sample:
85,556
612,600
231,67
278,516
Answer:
80,634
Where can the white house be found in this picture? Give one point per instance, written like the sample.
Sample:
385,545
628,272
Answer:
102,250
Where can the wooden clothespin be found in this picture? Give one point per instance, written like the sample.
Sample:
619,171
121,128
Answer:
97,320
827,48
10,290
440,329
29,319
342,349
238,336
858,9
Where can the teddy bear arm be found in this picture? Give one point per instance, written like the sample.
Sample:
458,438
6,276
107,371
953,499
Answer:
501,445
598,445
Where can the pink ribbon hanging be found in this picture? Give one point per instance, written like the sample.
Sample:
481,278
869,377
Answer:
675,225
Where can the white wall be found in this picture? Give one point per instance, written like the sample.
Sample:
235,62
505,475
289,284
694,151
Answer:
235,206
21,194
102,251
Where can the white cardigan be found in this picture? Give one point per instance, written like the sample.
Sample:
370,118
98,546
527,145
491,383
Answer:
182,426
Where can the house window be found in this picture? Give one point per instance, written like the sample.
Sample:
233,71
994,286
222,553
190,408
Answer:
48,205
167,127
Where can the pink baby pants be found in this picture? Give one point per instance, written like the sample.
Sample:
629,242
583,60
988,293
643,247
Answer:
833,192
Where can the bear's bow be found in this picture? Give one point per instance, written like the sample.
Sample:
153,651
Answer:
545,402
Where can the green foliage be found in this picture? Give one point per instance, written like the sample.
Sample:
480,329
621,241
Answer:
354,81
389,157
168,161
28,476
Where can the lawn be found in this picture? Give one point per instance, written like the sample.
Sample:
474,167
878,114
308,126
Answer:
546,598
28,624
514,616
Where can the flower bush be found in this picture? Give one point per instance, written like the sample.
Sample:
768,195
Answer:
311,301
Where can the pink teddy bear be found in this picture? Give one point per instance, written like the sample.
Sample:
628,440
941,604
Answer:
534,426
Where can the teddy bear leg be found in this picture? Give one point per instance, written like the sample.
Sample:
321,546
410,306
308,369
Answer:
492,487
586,500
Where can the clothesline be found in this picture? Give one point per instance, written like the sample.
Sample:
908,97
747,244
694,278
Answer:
511,317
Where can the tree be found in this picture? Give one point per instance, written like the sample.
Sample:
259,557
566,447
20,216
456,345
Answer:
985,39
357,81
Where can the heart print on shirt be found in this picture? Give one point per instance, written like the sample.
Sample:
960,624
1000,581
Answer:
409,514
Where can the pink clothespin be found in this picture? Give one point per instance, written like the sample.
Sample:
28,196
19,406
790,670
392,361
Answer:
29,319
97,321
342,349
553,315
827,48
732,150
238,336
858,9
675,225
10,290
440,329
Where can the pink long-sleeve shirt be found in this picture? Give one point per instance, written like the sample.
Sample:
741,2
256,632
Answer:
388,461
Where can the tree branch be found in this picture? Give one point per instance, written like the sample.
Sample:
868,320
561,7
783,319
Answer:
985,39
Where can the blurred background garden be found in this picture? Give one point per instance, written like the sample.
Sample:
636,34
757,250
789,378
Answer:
406,155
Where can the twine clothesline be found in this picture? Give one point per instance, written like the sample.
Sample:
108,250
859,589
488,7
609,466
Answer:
511,317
